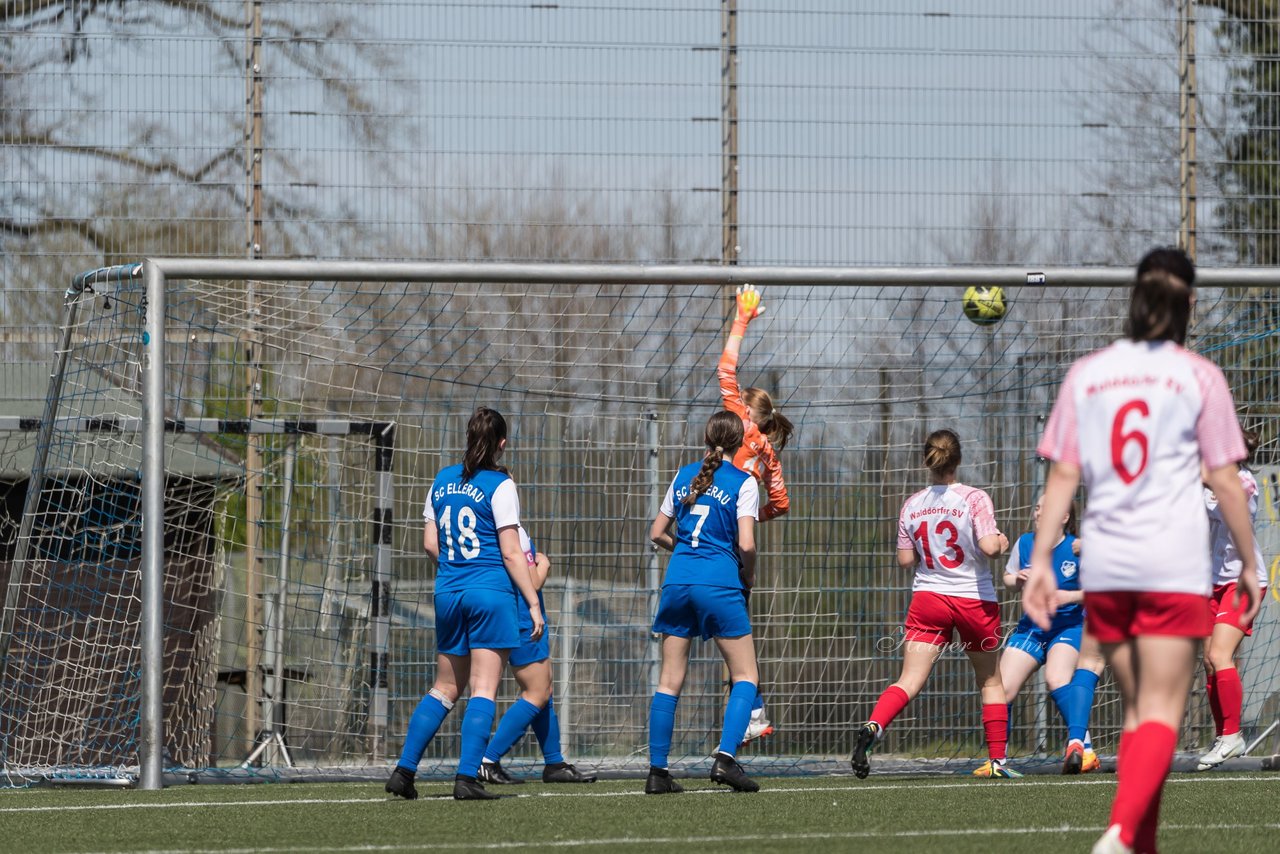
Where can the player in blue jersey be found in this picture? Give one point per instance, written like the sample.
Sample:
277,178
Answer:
534,708
712,505
472,517
1056,649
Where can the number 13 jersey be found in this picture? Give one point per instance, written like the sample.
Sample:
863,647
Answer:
1138,418
943,524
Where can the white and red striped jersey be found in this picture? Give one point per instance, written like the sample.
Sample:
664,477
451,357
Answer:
1138,418
943,524
1226,558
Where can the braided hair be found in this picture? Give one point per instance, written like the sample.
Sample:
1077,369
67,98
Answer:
723,436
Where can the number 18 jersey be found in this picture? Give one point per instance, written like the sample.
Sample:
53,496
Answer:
1138,418
467,515
943,525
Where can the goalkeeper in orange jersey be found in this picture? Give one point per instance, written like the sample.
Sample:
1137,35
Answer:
766,433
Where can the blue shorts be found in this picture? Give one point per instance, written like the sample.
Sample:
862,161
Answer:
686,610
1035,641
530,651
478,618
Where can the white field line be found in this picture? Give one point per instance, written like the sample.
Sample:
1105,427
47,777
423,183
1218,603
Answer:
1108,780
700,840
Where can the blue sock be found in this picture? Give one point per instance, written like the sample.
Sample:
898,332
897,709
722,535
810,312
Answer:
476,724
546,726
737,714
1079,703
1062,696
662,724
422,728
758,703
510,729
1008,722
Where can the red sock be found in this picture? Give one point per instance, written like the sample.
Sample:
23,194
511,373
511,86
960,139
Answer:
1122,752
1145,841
1231,698
995,721
888,707
1146,759
1215,701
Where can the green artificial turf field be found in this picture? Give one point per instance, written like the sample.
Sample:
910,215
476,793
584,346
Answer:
1202,813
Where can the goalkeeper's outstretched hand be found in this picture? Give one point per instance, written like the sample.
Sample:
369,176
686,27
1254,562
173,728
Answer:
749,307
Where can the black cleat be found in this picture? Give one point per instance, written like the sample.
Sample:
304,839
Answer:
469,789
861,760
1073,762
661,782
401,784
727,770
493,772
563,772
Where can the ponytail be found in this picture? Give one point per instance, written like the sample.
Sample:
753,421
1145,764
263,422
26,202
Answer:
485,432
1251,441
722,436
1159,308
772,423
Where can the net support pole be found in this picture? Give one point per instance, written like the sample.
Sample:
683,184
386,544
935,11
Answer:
35,482
380,591
275,721
567,630
151,723
652,570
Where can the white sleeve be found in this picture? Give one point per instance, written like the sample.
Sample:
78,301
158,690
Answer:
669,501
506,505
749,498
1015,561
428,510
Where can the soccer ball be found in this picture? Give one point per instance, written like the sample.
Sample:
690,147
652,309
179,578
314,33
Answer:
984,305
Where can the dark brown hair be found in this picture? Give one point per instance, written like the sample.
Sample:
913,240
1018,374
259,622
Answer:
1170,259
942,452
723,436
1072,525
485,431
773,424
1159,308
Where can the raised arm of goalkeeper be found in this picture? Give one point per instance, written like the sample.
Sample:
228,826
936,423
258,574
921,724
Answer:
766,429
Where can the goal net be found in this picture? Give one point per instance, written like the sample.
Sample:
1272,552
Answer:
305,419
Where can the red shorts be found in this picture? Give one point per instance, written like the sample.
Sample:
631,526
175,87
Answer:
1220,606
933,616
1114,616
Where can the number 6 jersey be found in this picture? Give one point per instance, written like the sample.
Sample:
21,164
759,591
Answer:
943,524
1138,418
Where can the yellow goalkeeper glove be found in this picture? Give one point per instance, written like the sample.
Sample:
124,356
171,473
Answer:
749,308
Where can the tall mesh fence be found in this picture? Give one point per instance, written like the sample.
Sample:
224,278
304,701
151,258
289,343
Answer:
758,132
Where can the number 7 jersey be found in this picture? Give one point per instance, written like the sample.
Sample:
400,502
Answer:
943,524
1138,418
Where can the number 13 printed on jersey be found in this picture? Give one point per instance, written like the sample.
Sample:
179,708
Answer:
950,555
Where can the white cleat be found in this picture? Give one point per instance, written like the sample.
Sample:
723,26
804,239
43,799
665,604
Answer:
1226,747
1110,843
